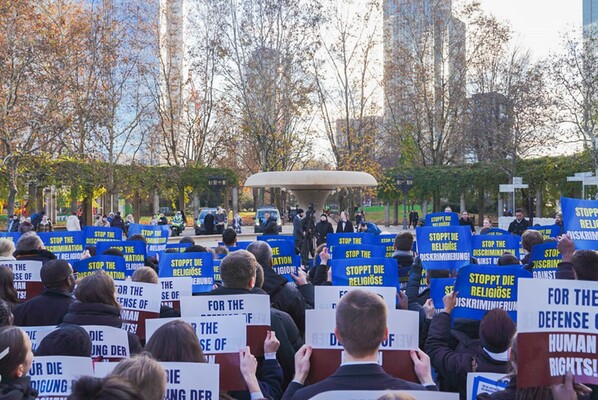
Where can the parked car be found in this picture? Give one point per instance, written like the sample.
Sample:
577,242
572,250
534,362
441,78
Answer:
199,226
260,217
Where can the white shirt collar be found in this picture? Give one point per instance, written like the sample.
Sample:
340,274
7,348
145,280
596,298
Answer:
504,356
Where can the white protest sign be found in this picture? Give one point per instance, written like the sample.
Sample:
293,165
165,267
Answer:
194,381
36,334
224,334
27,277
255,307
326,297
484,382
376,394
52,376
103,369
403,330
173,289
107,341
140,301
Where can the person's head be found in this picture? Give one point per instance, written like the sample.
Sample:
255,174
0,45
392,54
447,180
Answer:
519,214
187,239
7,285
324,218
113,251
58,274
259,276
7,247
175,341
300,212
343,216
361,322
145,274
6,317
25,227
15,217
404,241
487,223
267,215
464,214
108,388
196,248
65,340
558,218
229,237
129,217
508,259
220,251
396,396
585,265
139,237
262,252
531,238
448,209
97,288
237,270
496,331
29,242
19,356
145,373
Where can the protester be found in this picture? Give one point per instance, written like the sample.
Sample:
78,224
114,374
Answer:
270,226
558,221
488,355
36,218
30,247
322,229
117,222
8,292
66,340
487,226
50,307
96,305
208,223
529,239
237,223
72,222
15,363
344,225
145,373
229,237
298,231
508,259
13,223
466,221
413,219
108,388
519,224
6,317
25,227
7,248
45,225
283,296
361,318
128,221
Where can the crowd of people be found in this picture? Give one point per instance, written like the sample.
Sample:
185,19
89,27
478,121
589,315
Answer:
448,349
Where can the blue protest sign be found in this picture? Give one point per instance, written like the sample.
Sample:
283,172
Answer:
198,266
439,287
284,259
216,264
338,239
112,265
358,251
446,247
388,241
404,277
442,219
179,247
545,258
483,288
95,234
14,236
580,219
156,236
133,252
276,238
547,231
487,249
66,245
497,232
365,272
243,244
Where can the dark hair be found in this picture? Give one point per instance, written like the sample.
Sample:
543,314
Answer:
92,250
26,227
585,264
229,237
196,248
108,388
518,210
113,251
496,330
6,317
187,239
55,273
508,259
259,276
7,285
175,341
262,252
530,238
438,273
137,236
404,241
361,322
237,269
66,340
12,338
97,288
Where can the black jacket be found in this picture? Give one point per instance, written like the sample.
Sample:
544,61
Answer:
287,298
17,388
270,226
451,365
117,222
348,227
100,314
466,222
49,308
208,223
322,229
34,255
517,228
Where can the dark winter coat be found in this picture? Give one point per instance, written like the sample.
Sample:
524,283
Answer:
517,228
271,226
34,255
347,228
322,229
17,388
49,308
117,222
208,223
99,314
467,222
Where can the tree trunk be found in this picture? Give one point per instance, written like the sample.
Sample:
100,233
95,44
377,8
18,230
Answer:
11,171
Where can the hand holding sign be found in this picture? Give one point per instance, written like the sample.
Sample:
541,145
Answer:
450,301
271,344
302,363
422,366
566,247
248,365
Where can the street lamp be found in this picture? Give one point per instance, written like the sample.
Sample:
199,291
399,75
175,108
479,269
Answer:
404,183
217,183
